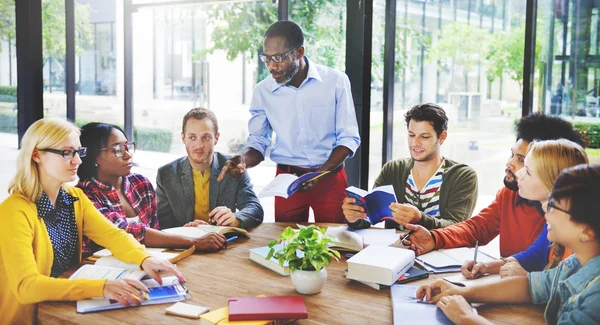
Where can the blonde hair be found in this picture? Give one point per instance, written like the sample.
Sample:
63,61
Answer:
43,134
549,159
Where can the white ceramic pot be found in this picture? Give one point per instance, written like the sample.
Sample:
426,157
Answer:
309,282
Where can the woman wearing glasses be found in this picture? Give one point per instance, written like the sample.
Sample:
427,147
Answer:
42,223
541,254
571,290
128,200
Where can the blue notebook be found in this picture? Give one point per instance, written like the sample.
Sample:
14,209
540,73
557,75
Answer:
376,203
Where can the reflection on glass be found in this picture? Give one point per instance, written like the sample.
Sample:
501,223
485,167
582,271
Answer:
8,71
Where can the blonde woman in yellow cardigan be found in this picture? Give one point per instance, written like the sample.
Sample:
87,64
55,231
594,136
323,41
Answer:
41,228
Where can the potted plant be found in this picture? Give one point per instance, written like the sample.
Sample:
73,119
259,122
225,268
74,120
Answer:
307,252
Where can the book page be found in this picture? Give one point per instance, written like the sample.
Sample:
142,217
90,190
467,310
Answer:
437,259
278,186
464,254
97,272
347,239
192,232
461,281
222,229
377,237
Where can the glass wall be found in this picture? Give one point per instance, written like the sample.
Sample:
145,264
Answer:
54,52
454,53
8,71
567,75
99,61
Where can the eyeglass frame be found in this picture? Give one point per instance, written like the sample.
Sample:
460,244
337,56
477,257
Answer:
550,205
268,58
125,148
67,153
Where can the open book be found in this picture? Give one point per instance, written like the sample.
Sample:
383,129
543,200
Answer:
376,202
450,260
356,239
98,272
203,230
170,291
461,281
285,185
107,259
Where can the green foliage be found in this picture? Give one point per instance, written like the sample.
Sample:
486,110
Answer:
312,241
153,139
7,21
8,122
53,28
460,45
8,90
239,28
590,133
506,52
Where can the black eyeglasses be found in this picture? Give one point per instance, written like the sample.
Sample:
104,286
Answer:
120,149
68,153
277,58
551,205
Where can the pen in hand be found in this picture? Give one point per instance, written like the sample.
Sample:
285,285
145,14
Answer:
475,257
406,236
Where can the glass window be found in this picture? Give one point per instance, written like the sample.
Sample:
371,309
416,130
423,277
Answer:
567,78
99,88
54,52
481,96
8,74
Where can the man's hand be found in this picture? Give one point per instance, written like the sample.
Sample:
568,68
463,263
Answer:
421,240
127,292
405,213
153,265
471,271
432,292
211,242
222,216
512,269
195,223
352,211
235,167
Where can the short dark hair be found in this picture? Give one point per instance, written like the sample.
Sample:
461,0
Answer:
94,136
546,127
431,113
200,114
291,32
581,186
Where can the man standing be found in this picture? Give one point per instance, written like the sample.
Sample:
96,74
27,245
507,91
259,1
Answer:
517,220
436,191
311,111
187,188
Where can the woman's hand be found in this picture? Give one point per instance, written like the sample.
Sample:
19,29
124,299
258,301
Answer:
473,272
153,265
127,292
195,223
512,269
432,292
458,310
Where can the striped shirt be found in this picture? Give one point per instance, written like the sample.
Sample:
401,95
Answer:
427,200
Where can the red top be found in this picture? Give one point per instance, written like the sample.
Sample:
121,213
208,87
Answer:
517,221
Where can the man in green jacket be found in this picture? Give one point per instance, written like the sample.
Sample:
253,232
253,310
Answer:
432,191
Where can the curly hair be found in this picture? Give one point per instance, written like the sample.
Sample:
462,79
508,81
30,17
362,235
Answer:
292,33
428,112
545,127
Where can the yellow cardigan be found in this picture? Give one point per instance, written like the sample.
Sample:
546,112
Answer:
26,256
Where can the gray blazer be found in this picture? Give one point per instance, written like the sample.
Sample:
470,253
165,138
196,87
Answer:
175,194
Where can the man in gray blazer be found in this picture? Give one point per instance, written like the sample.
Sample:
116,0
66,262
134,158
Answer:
186,193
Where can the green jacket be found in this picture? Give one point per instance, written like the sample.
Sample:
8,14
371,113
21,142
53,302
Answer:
458,193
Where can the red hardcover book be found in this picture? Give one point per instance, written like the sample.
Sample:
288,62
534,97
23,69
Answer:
257,308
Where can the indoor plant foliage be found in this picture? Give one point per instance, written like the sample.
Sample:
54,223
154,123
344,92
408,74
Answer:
309,239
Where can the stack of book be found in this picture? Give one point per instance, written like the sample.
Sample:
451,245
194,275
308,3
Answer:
380,264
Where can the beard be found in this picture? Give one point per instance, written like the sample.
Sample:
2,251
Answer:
290,73
511,185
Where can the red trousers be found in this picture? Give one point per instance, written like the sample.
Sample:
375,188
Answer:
325,199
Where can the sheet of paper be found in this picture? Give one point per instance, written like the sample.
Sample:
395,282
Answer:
97,272
492,249
437,259
378,237
460,280
464,254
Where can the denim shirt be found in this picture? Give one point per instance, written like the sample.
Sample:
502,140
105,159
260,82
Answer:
571,292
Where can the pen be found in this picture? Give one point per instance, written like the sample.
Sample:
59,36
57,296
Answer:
476,249
406,236
230,239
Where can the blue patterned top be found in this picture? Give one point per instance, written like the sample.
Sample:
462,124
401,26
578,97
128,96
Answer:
62,229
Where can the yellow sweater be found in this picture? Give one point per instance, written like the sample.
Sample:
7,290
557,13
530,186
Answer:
26,256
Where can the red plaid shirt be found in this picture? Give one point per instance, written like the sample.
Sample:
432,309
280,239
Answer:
139,193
